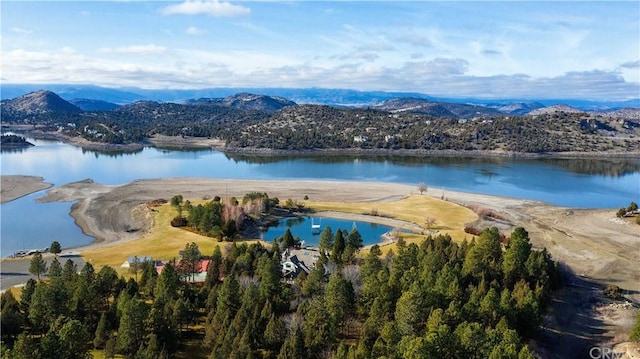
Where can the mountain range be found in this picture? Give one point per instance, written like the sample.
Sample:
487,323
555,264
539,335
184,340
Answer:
255,122
334,97
43,101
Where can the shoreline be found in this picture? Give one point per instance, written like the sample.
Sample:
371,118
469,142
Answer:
599,249
13,187
590,241
200,143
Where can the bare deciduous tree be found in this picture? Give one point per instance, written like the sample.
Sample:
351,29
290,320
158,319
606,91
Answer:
429,222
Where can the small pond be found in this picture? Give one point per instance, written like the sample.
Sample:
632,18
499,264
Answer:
301,227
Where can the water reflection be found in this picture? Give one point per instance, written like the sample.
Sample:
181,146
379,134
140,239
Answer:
613,167
601,166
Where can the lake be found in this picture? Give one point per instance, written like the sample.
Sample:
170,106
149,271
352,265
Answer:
301,227
585,183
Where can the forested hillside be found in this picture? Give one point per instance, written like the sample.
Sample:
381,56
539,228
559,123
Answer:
248,122
439,299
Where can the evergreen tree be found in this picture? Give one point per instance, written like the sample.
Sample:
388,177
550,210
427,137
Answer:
37,266
314,284
11,319
318,329
26,347
294,346
69,272
325,243
287,239
354,239
168,283
74,340
106,285
132,331
55,248
484,259
55,268
338,247
213,271
339,300
190,261
275,333
102,333
515,257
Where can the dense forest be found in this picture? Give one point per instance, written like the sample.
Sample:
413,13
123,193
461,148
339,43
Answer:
436,299
321,127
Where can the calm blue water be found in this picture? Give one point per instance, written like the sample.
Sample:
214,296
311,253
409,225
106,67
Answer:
574,183
301,227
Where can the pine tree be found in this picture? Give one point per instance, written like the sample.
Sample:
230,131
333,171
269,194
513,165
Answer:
131,332
55,268
515,257
338,247
102,333
325,242
38,265
339,300
11,319
213,271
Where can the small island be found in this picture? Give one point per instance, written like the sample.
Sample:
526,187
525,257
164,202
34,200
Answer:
14,141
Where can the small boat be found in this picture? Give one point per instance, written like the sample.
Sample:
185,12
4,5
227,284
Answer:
315,227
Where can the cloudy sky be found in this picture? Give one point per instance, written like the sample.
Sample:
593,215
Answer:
548,49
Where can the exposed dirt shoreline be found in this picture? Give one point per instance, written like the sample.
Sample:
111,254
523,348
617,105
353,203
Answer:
594,243
13,187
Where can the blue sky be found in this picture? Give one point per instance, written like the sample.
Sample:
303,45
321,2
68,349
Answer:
578,49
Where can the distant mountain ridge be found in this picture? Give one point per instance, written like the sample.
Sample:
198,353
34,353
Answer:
555,108
436,109
250,122
43,101
247,101
93,105
39,102
336,97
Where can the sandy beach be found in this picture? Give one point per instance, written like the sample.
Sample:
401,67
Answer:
14,186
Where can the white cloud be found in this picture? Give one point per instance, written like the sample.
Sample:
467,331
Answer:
213,8
199,69
192,30
144,50
21,30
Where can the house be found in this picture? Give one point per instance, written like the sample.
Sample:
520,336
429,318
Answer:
292,267
200,270
360,138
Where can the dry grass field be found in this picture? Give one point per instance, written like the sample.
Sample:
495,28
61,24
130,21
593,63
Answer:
162,242
449,218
